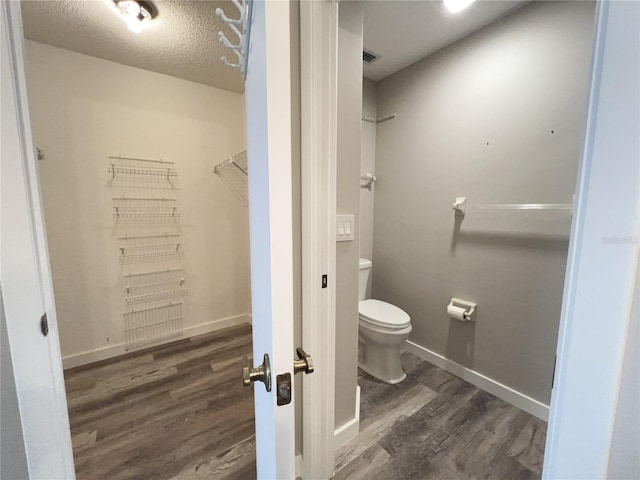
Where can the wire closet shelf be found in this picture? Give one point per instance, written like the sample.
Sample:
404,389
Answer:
234,172
141,166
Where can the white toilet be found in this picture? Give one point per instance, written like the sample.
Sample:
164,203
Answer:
383,329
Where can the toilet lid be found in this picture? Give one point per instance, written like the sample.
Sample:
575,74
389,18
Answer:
383,314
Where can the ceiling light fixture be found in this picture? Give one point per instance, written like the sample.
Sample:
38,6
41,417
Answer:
455,6
136,12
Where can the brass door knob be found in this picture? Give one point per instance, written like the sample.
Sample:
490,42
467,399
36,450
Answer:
261,373
304,362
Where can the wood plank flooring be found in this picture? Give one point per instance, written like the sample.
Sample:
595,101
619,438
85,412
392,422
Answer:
179,412
437,426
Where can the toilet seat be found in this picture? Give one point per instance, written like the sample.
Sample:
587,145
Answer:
383,315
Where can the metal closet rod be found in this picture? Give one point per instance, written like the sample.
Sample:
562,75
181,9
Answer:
141,160
378,120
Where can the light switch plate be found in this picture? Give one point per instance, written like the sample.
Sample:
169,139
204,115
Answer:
345,227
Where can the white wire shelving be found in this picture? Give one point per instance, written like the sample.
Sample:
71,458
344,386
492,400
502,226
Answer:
234,172
145,207
148,325
141,166
150,249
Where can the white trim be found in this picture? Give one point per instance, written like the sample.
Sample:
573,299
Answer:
318,134
25,272
350,430
84,358
298,465
508,394
603,253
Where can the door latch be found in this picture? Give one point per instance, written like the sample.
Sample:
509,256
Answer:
304,362
283,381
262,373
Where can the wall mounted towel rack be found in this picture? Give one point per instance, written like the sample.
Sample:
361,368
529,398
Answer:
460,206
378,120
241,48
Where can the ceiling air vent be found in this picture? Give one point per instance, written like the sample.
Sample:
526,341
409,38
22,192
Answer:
369,57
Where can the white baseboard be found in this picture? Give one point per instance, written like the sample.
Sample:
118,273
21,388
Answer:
508,394
349,430
117,349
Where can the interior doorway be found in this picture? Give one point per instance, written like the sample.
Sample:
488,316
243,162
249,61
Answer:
140,134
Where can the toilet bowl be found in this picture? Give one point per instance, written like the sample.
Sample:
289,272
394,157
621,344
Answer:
383,328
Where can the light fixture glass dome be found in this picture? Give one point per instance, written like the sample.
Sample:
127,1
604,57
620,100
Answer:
136,12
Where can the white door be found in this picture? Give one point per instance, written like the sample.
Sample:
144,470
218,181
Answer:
25,275
268,107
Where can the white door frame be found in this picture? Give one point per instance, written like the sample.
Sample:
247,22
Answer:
25,273
603,255
318,86
589,356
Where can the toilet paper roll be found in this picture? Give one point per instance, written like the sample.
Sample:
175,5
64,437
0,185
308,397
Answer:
457,313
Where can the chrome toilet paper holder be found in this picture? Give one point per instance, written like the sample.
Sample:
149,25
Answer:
470,308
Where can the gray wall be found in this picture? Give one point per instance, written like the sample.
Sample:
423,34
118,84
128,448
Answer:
367,165
348,202
13,458
624,460
497,117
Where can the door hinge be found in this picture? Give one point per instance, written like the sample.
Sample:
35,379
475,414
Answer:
553,376
44,325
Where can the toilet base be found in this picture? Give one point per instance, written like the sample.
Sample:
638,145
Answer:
379,354
391,381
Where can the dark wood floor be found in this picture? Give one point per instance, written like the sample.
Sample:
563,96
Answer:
437,426
179,411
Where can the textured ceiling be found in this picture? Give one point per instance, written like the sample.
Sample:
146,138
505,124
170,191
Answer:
402,32
181,41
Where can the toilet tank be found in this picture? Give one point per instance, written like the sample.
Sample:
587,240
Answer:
365,270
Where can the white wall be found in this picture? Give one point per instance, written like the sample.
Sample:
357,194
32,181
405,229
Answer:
367,165
497,117
624,459
85,109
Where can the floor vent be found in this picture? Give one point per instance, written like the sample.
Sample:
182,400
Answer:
369,57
